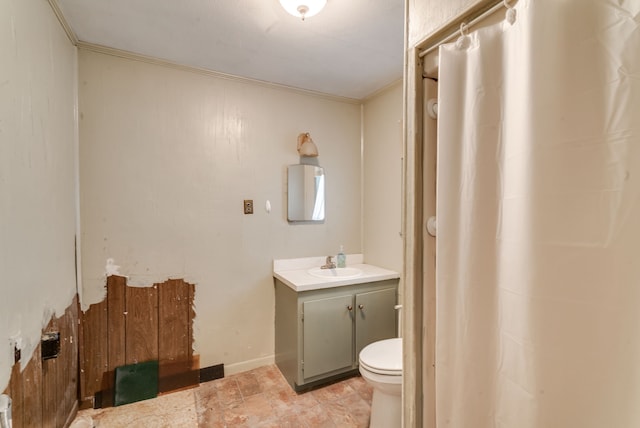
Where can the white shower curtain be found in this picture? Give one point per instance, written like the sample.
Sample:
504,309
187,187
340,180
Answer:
538,207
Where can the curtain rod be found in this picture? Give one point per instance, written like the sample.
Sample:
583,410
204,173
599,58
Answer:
451,36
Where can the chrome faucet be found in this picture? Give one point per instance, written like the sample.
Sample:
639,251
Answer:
329,263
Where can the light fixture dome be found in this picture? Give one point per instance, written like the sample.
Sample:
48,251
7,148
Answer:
303,8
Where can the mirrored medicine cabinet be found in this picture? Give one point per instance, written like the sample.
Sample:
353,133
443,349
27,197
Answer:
305,195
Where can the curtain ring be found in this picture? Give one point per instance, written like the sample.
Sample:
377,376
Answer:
463,41
511,12
464,29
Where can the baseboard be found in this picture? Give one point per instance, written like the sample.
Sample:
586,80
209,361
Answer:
211,373
326,381
102,398
249,365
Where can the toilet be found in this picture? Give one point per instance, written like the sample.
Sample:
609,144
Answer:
381,367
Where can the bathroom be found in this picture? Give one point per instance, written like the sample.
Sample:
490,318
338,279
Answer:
196,148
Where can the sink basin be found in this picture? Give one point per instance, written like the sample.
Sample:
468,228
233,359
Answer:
337,273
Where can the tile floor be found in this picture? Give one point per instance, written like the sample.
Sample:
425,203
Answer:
257,398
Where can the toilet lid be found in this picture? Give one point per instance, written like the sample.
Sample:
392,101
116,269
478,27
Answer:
384,357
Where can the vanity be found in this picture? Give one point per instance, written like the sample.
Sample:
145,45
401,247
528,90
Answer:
324,317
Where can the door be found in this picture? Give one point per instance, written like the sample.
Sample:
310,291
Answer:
327,335
375,317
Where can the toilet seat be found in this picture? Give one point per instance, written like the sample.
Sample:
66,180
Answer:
383,357
380,371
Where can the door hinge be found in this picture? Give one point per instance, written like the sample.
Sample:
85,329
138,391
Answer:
302,364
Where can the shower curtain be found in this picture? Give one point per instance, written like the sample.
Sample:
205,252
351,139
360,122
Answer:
538,207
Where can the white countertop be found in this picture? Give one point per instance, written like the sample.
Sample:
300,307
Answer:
293,273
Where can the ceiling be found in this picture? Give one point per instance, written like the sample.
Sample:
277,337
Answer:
352,48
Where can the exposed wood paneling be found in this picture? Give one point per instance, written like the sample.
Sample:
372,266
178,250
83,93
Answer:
142,324
16,392
33,396
116,318
44,394
175,306
50,389
68,372
192,316
93,350
138,324
174,323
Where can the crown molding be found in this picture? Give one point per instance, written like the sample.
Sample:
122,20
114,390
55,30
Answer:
203,71
63,22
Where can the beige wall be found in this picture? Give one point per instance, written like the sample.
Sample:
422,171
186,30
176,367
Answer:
382,160
37,174
167,157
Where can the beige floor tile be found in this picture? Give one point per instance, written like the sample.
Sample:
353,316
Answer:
349,411
248,384
333,391
358,384
228,391
177,409
316,417
285,401
259,398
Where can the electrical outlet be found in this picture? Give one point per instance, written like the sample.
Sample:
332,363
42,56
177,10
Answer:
248,206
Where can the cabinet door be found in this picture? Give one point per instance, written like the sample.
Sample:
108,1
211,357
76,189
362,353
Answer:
375,317
327,335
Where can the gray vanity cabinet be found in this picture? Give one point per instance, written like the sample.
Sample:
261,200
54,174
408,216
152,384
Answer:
375,317
320,333
327,333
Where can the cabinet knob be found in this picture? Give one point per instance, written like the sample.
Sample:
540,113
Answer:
361,306
350,307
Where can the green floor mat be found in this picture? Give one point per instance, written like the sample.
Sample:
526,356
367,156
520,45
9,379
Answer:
135,382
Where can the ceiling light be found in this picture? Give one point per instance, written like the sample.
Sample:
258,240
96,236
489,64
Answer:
303,8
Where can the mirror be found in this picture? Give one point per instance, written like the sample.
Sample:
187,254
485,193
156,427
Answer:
305,193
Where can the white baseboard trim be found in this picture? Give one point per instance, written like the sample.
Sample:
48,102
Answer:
244,366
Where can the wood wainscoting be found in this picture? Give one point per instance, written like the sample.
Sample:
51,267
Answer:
133,325
45,393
